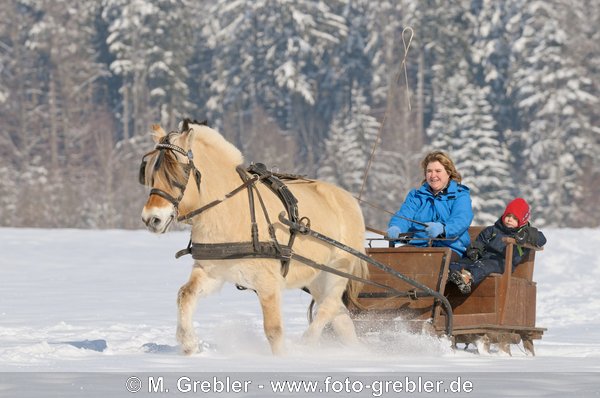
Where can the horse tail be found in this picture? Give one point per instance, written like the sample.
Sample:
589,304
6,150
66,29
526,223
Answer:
353,288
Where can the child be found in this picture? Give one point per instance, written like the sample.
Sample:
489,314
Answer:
486,254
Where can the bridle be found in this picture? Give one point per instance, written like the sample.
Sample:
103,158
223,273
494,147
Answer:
188,167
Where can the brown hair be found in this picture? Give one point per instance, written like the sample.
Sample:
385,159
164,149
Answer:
444,159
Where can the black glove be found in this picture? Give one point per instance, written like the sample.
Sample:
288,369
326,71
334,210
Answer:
475,251
527,234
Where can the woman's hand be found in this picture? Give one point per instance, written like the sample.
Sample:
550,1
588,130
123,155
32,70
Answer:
434,229
393,232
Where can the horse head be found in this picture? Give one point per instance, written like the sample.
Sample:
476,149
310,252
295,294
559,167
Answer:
174,175
170,172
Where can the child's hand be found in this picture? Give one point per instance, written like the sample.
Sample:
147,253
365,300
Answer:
527,234
475,251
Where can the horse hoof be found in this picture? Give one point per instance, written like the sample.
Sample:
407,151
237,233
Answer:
190,347
188,341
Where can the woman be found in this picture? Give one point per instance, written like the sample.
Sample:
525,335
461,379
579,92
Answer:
441,207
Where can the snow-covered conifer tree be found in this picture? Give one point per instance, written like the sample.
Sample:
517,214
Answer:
149,42
349,146
553,97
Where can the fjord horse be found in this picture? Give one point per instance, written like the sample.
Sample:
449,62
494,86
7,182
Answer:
196,165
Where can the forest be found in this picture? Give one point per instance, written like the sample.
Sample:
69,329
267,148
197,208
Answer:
327,89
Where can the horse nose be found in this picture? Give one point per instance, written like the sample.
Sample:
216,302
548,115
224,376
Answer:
152,221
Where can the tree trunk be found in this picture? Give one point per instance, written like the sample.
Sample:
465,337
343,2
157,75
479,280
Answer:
53,139
125,117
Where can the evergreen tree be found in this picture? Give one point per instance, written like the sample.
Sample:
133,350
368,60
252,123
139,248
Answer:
464,127
552,94
490,57
442,41
484,159
580,19
348,148
482,76
275,52
148,39
20,87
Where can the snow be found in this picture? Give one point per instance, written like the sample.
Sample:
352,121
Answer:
102,304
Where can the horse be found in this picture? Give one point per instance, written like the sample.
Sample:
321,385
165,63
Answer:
195,167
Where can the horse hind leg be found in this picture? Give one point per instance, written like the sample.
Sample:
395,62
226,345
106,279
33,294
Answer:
198,284
328,294
344,328
331,309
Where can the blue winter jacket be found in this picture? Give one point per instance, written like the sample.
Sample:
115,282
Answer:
451,207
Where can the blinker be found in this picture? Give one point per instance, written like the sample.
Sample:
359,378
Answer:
142,175
142,172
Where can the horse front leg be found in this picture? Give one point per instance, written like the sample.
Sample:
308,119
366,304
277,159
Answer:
199,284
270,302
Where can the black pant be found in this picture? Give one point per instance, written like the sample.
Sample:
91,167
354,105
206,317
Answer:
479,269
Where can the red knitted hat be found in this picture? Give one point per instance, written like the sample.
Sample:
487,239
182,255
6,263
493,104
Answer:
518,208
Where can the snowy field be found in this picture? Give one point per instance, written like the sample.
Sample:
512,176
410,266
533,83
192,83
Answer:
81,312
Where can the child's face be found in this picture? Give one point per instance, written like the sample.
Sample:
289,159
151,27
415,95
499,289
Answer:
511,221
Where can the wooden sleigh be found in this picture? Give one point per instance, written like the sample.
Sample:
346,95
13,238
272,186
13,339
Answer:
500,310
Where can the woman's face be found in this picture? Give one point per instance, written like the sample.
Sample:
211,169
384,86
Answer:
437,177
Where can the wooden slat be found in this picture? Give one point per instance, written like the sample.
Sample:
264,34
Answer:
504,285
475,305
465,320
427,266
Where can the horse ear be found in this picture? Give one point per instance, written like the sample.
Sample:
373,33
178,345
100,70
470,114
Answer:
188,136
157,132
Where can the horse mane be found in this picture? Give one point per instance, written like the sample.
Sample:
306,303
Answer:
213,140
185,124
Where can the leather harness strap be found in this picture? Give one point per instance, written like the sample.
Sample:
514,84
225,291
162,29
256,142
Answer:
255,248
215,202
235,250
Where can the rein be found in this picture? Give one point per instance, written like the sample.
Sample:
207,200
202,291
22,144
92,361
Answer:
194,213
254,248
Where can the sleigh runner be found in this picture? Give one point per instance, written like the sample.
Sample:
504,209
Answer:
195,177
